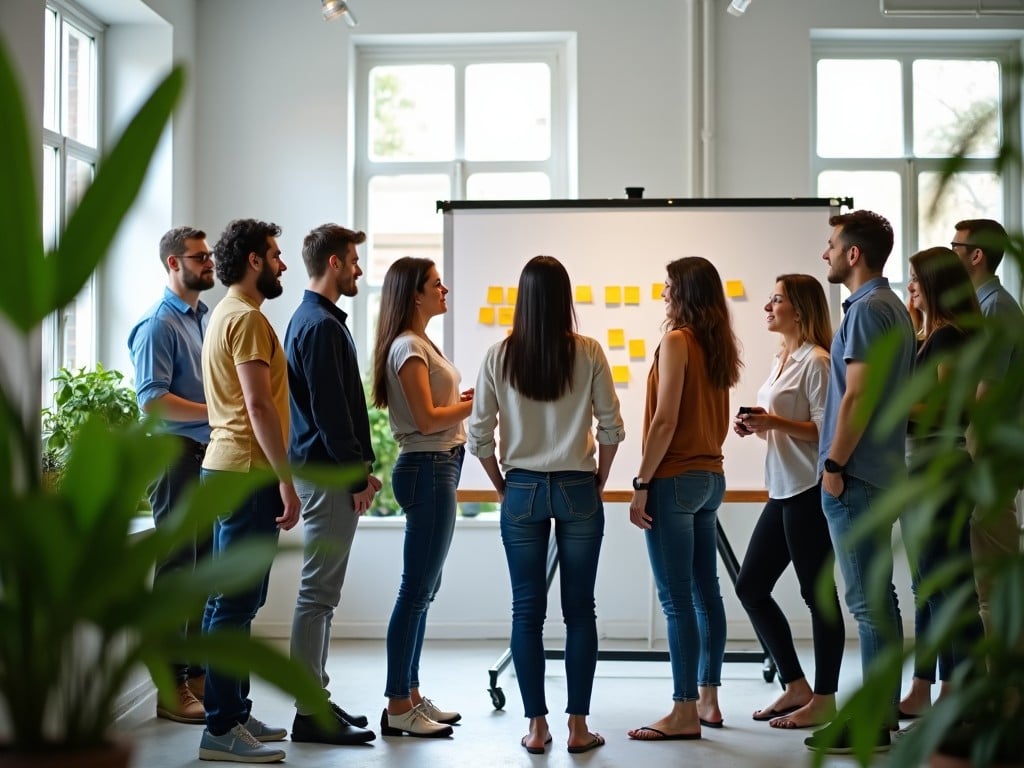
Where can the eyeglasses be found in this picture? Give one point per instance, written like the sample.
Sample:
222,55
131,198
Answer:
954,244
202,257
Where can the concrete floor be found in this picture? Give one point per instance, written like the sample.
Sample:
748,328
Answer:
454,674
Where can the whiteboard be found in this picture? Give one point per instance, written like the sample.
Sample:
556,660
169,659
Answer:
626,244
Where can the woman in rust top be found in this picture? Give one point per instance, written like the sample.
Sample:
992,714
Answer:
680,485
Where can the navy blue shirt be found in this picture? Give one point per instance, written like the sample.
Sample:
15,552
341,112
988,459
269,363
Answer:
871,312
329,420
167,347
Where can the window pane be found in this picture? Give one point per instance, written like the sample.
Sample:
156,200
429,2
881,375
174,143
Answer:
51,199
402,220
954,99
842,129
78,86
77,331
508,111
50,72
877,191
412,112
965,196
79,178
508,186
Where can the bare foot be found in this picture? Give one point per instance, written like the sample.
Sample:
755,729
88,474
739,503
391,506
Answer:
812,714
666,726
784,705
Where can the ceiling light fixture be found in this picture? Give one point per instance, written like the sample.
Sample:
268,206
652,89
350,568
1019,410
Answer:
332,9
738,7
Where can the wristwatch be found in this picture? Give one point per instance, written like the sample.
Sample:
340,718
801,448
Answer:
640,485
834,467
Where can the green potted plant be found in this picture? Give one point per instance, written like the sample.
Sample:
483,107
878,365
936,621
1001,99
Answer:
78,611
386,450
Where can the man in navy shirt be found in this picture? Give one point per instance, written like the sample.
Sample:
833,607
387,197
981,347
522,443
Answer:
329,427
858,460
166,348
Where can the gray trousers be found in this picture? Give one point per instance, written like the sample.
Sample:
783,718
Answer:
329,523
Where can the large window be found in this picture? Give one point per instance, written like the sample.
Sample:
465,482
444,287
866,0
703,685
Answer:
70,153
888,121
450,122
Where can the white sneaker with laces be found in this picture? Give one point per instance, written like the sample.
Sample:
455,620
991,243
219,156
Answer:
413,723
437,714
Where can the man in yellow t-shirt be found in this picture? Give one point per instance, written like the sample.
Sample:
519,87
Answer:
245,379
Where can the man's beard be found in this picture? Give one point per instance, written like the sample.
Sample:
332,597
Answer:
267,283
200,282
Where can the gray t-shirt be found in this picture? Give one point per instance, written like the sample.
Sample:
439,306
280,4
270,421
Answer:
444,390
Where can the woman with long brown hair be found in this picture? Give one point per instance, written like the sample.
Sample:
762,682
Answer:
681,483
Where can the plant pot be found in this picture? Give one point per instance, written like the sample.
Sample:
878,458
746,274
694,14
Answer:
115,755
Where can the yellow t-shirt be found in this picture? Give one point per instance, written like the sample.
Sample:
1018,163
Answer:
239,333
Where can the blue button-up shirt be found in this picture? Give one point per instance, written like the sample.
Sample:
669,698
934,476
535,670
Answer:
167,347
329,421
871,312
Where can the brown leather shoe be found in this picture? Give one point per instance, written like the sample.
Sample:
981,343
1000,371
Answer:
189,709
197,685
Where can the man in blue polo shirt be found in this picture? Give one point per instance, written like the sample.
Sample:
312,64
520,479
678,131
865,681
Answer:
166,348
330,427
858,460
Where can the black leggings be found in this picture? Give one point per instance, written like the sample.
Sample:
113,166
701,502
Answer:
793,529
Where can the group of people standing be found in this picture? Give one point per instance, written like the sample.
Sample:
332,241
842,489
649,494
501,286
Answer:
239,400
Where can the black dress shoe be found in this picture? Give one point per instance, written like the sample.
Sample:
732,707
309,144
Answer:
360,721
305,728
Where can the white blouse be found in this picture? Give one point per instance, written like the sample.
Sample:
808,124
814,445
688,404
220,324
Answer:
797,393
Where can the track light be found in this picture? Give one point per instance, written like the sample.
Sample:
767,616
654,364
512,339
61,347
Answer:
738,7
332,9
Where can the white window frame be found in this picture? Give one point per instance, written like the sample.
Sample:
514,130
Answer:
459,52
1005,52
68,149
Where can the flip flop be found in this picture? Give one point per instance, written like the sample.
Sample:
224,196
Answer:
662,736
535,750
712,723
594,743
763,715
785,724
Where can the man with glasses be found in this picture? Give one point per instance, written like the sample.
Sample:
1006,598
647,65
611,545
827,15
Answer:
166,348
979,243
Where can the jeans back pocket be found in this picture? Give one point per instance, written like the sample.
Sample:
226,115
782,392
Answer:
517,503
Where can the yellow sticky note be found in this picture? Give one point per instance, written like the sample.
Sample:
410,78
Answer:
613,294
584,294
632,293
505,315
616,337
734,288
637,349
486,316
511,293
495,295
656,289
620,374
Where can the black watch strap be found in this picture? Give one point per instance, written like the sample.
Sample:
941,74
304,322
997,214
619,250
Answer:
834,467
640,485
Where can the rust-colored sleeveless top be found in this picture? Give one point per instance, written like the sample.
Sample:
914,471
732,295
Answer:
703,417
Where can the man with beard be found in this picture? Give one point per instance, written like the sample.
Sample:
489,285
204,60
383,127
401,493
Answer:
246,382
856,459
166,346
329,427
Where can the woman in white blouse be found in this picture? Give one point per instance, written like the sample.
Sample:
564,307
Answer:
792,526
548,385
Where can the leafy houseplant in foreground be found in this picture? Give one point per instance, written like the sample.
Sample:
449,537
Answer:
77,609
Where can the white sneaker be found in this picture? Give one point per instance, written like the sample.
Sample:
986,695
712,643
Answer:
414,723
237,746
263,732
439,715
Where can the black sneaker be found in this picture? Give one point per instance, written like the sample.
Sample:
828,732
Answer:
305,728
836,739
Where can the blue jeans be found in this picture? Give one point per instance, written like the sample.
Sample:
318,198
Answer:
869,561
329,525
424,485
227,697
682,544
531,500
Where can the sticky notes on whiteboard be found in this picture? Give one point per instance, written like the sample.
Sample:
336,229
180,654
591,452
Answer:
632,294
734,289
505,315
486,316
637,349
584,294
495,295
656,289
511,293
620,374
616,338
613,294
